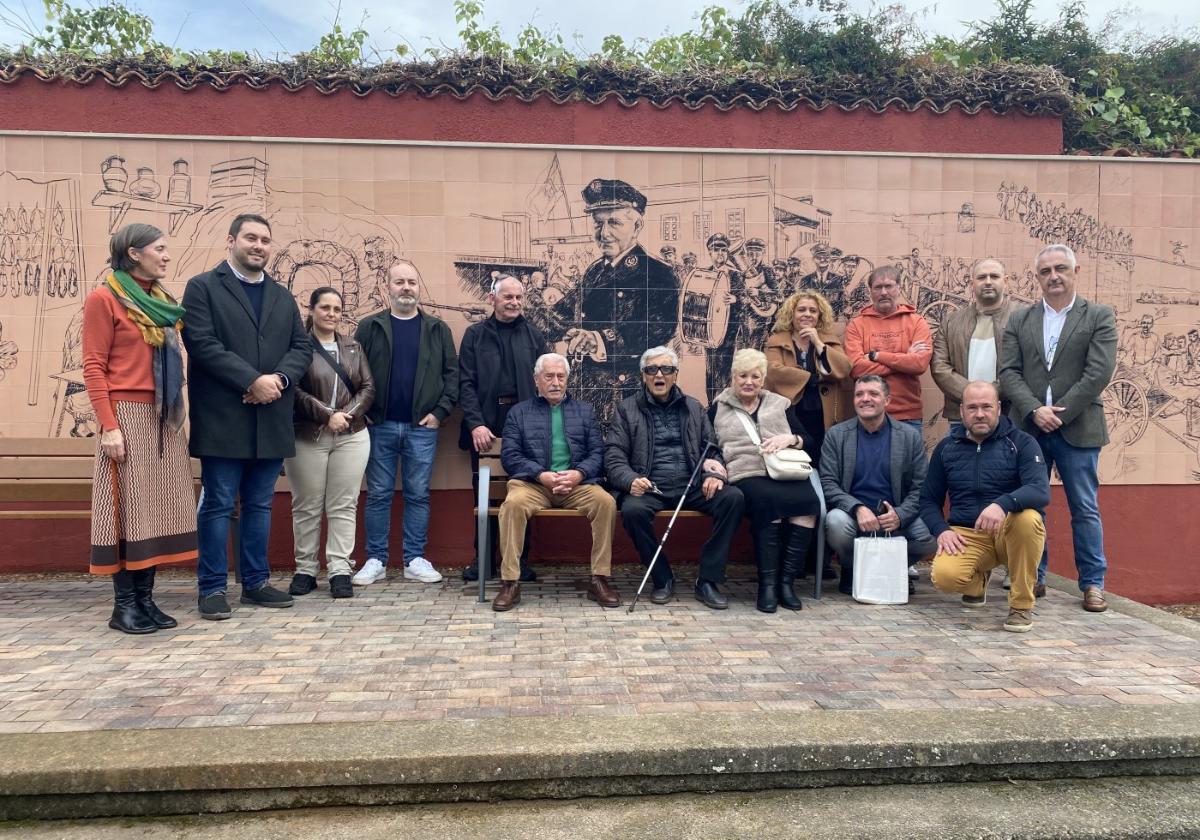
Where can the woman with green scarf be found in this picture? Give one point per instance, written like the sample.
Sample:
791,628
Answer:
143,504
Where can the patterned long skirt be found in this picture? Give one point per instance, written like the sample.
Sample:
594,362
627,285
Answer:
143,510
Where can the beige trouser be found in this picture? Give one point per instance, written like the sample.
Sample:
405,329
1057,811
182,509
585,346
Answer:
326,475
1018,545
525,498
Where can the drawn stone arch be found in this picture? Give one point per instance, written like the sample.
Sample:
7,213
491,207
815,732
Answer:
307,264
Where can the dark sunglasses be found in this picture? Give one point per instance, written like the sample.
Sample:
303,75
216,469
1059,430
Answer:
666,370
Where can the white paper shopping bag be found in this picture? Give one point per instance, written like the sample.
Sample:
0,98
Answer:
881,570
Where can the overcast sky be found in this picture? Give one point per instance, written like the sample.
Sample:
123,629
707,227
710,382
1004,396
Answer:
291,26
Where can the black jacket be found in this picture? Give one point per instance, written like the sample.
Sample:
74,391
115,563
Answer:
435,390
479,358
227,350
525,452
1006,468
629,450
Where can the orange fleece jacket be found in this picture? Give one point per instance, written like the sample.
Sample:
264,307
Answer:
892,335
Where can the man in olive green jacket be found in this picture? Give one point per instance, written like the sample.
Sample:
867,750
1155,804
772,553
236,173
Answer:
1058,357
412,359
967,347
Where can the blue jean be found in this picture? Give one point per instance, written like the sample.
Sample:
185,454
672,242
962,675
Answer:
413,446
1077,467
221,481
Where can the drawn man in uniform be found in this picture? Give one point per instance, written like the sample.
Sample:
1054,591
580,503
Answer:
626,302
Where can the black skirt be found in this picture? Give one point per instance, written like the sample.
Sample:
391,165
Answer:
768,499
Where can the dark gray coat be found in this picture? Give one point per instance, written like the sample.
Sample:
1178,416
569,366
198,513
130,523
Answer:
227,350
1083,367
479,360
908,466
629,449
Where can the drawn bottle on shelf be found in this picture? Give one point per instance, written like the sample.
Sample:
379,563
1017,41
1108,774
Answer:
179,188
145,186
114,174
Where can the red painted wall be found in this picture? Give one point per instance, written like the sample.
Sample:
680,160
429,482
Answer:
31,105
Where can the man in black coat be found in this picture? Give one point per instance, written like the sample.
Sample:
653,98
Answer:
495,372
246,349
657,437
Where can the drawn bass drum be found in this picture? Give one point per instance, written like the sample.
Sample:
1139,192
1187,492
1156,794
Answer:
703,312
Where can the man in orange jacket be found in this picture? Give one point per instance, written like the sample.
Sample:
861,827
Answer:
890,339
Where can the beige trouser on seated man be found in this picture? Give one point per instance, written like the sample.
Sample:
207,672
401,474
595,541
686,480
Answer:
525,498
1017,545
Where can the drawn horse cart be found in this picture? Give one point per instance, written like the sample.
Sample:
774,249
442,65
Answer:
1170,400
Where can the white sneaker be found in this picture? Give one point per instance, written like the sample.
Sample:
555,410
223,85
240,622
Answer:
370,572
420,569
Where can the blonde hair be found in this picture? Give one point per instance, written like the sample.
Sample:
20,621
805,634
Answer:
748,359
787,311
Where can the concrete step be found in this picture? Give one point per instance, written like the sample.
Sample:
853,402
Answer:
138,773
1109,809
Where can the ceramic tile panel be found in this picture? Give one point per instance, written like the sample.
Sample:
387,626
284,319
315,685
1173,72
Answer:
343,213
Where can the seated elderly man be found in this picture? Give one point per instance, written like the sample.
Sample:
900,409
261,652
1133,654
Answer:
657,437
554,456
998,488
870,464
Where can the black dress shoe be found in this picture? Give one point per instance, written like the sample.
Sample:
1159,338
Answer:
341,587
663,594
302,584
528,575
470,574
266,596
708,594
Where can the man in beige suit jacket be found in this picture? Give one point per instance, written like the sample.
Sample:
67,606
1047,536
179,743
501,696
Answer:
1056,359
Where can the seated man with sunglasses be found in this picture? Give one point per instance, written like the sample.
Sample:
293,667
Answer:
658,436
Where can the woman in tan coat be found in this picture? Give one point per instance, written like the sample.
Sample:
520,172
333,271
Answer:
806,364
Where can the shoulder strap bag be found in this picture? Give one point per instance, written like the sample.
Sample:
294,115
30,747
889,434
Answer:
784,465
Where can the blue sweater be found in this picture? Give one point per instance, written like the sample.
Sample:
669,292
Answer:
1006,468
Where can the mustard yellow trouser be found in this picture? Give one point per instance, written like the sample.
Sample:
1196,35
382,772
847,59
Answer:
1018,545
525,498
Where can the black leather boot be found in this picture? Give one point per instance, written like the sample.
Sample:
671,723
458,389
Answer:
143,585
128,616
766,557
795,553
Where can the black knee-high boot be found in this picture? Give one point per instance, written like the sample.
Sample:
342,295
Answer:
794,555
766,557
143,585
128,616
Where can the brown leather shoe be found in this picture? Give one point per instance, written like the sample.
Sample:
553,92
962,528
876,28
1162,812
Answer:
508,597
1093,600
1039,590
601,591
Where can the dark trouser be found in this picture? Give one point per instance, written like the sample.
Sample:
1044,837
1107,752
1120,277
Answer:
725,508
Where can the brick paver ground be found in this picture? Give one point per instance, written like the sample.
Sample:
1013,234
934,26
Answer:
404,650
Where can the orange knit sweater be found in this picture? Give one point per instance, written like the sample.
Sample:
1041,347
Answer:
118,364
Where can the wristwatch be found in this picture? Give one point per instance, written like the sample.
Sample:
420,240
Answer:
872,354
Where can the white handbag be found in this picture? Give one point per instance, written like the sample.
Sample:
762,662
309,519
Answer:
880,570
784,465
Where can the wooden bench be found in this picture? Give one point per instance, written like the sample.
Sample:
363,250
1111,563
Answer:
493,487
46,471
